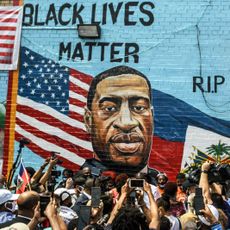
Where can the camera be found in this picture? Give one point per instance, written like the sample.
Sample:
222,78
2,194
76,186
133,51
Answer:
217,173
56,173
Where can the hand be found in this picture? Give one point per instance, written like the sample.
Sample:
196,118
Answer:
69,183
37,213
206,166
208,215
147,187
51,209
53,161
47,160
126,189
140,196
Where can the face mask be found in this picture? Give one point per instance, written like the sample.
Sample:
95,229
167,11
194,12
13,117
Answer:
161,185
11,206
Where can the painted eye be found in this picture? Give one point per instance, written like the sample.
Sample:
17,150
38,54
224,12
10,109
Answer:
138,108
110,109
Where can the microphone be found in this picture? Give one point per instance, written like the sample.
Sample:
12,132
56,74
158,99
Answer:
24,141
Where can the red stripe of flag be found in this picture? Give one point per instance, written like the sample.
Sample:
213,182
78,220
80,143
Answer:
8,19
5,62
75,149
76,102
81,76
7,37
76,116
8,12
50,120
5,45
6,54
9,28
78,90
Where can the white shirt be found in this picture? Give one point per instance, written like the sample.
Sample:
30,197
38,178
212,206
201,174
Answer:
174,221
155,193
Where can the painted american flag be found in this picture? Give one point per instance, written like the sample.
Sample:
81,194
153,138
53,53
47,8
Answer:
10,32
50,108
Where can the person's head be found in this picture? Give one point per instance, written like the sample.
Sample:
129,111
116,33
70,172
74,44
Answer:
163,204
66,173
130,218
30,171
119,118
162,180
91,182
180,179
189,187
65,199
165,223
170,189
78,183
86,172
7,200
27,202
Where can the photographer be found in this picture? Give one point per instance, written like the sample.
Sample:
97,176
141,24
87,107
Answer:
124,216
209,196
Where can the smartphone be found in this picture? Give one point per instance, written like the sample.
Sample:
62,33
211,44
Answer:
136,183
84,216
96,196
198,202
44,201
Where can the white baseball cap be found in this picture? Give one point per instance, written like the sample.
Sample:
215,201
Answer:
6,195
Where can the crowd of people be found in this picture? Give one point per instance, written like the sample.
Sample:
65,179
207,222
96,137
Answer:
84,200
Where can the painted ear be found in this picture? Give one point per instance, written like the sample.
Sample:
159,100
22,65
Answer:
88,120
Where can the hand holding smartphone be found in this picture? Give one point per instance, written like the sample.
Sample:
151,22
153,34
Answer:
198,201
136,183
44,201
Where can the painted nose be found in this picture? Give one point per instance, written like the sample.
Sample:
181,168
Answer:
125,120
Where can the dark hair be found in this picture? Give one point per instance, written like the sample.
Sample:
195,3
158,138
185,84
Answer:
217,200
68,171
28,200
130,218
164,202
165,223
78,180
170,189
115,71
31,171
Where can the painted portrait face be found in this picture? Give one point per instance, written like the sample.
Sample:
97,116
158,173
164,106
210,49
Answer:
121,122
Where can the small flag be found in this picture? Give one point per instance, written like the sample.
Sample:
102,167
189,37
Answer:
10,33
22,179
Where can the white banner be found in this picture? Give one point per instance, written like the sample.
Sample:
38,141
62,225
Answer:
10,36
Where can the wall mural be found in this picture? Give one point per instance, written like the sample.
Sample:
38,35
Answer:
140,97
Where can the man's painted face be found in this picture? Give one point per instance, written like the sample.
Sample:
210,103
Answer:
122,122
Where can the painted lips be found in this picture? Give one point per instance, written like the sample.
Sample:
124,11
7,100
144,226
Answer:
127,143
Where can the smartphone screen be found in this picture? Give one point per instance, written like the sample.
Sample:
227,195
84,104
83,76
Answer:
134,183
198,201
84,216
44,201
96,196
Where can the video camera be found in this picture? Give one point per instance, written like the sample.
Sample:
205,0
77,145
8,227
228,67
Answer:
217,173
